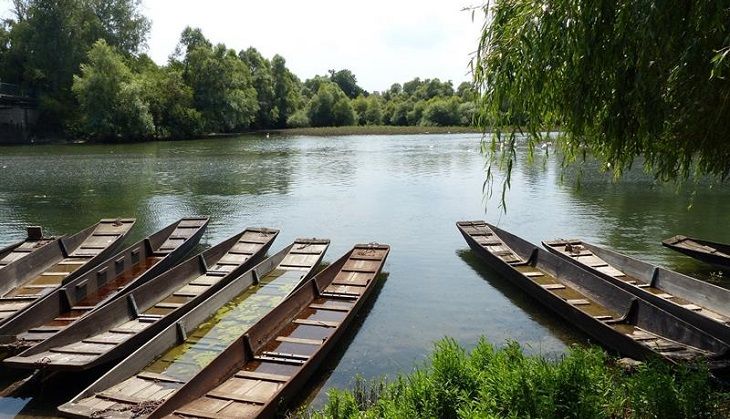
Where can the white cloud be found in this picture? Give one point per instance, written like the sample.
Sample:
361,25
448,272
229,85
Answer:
381,41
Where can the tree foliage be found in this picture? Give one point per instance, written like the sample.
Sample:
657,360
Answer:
49,39
110,97
221,84
330,107
619,79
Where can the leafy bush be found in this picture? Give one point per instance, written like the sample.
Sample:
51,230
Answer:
497,383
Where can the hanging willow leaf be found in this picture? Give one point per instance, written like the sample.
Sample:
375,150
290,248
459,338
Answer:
618,79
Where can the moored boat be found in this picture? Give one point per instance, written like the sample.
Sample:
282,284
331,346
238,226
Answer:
15,252
25,283
269,364
120,273
122,325
614,317
714,253
156,370
700,304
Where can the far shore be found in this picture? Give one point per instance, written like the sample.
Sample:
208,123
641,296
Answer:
372,130
311,131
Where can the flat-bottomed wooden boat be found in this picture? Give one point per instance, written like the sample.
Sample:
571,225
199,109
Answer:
614,317
120,273
717,254
27,282
700,304
15,252
118,328
269,365
160,367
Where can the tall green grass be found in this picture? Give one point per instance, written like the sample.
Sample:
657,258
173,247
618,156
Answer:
505,383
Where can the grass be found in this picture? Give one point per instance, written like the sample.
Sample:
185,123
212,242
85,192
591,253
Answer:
373,130
506,383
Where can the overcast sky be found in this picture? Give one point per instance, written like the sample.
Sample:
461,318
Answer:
381,41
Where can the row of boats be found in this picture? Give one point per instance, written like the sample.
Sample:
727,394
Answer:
226,333
632,307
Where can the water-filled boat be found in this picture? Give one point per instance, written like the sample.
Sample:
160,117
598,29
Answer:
25,283
118,328
700,304
120,273
714,253
621,321
269,364
165,363
15,252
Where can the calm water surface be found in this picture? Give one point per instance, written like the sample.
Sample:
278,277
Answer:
406,191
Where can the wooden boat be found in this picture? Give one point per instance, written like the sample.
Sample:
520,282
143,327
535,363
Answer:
270,363
125,323
614,317
161,366
717,254
122,272
700,304
27,282
14,253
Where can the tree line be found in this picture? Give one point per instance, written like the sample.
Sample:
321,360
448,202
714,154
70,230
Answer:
84,60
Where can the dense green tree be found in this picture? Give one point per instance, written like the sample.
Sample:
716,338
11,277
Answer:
467,92
360,107
287,91
397,112
441,112
415,114
298,119
221,84
263,82
431,88
347,82
110,98
170,102
620,79
330,107
311,86
49,40
374,111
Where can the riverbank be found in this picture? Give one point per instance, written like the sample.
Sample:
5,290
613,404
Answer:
310,131
373,130
489,382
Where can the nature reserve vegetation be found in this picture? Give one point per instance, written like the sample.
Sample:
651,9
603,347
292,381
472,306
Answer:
84,60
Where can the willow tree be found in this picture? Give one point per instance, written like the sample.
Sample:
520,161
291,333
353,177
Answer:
617,79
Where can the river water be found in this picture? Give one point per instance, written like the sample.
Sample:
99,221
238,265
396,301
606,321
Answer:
406,191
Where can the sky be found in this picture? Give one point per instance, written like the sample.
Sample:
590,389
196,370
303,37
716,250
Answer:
382,42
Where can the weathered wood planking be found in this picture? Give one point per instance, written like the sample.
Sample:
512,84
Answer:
130,378
122,325
120,273
700,304
717,254
14,253
614,317
27,282
282,351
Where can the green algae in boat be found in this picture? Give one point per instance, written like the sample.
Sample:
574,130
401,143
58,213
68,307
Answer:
272,361
160,367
